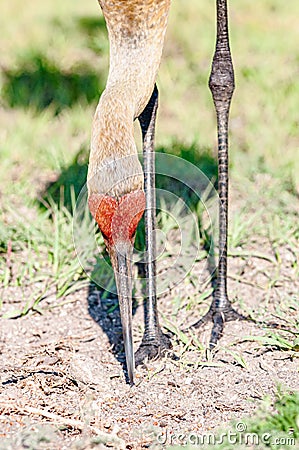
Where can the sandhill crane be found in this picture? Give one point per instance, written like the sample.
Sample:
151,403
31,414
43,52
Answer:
118,190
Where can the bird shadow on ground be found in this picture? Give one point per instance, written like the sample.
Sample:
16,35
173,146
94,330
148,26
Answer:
65,190
102,303
37,83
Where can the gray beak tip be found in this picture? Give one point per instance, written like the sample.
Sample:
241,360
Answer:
128,343
131,378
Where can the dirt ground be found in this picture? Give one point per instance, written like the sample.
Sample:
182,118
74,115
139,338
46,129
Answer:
63,383
62,373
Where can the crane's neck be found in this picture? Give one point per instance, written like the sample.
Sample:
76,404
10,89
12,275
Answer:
136,35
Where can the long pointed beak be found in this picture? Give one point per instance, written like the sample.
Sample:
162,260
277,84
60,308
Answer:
122,264
118,219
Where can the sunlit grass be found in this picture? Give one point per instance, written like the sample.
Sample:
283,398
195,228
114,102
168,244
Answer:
54,63
46,115
38,256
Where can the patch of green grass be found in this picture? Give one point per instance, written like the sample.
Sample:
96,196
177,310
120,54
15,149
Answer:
38,83
38,255
54,63
276,341
66,189
54,66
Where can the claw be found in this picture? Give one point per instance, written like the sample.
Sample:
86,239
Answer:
151,349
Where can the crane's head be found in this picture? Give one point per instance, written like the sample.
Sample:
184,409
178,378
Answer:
118,220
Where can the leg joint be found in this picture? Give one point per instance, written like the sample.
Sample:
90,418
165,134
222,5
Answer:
222,82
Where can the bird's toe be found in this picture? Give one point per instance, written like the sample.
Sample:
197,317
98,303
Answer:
152,348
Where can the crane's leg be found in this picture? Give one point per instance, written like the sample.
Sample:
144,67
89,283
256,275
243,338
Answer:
154,342
222,85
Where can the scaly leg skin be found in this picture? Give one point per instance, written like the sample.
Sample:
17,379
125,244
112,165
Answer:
154,342
222,85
